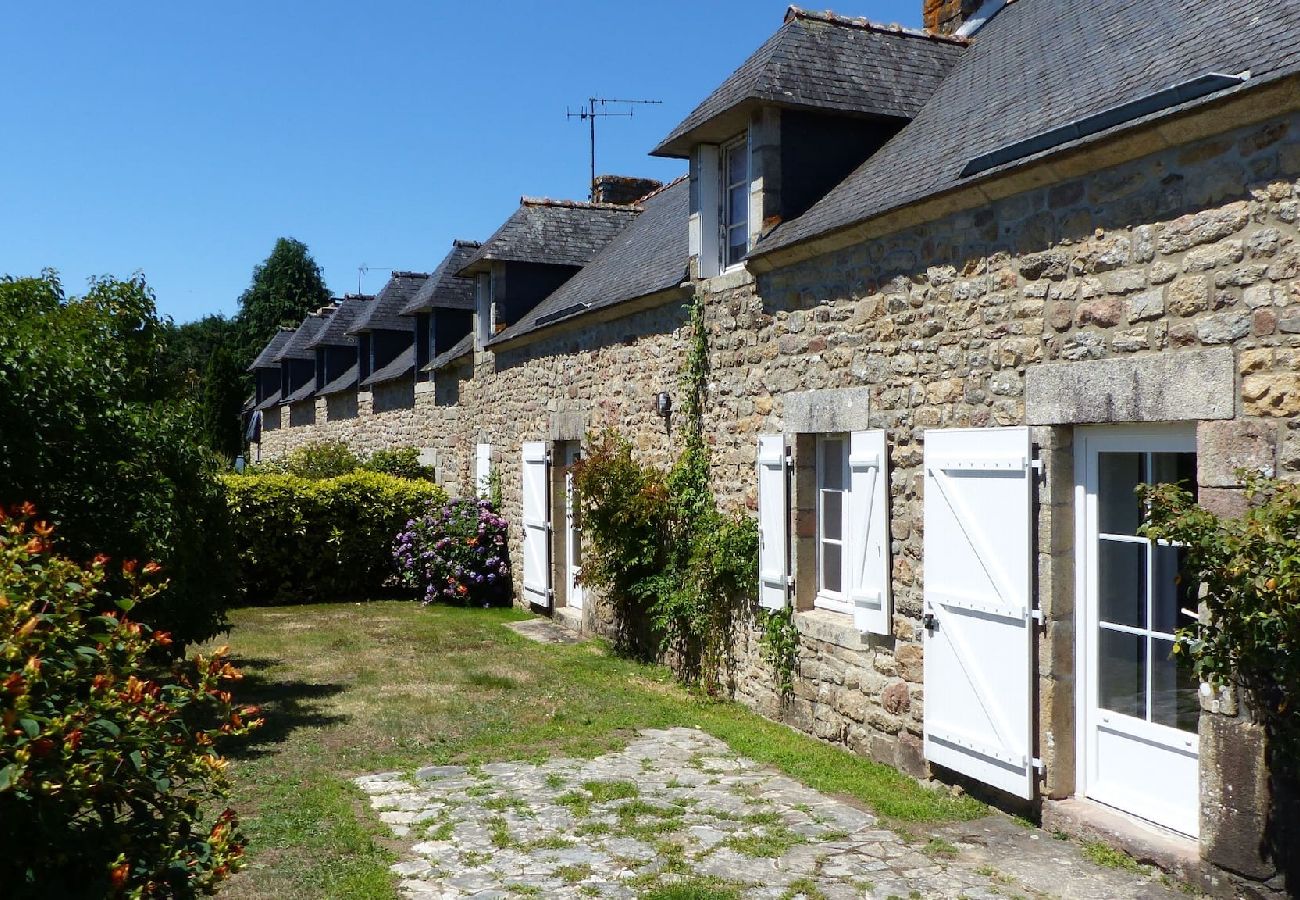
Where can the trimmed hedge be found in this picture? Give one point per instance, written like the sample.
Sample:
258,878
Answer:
304,540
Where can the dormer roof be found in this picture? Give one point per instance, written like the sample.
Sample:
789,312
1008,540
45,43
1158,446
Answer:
299,345
442,289
648,256
269,357
553,232
345,315
821,61
385,313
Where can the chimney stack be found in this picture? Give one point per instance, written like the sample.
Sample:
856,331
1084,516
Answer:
622,189
946,16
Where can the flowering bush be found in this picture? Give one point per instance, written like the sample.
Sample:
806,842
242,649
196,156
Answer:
107,765
456,554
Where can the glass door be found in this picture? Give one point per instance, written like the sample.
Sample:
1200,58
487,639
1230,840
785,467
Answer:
1142,708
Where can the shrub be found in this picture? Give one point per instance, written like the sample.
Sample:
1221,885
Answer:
1249,629
457,554
403,462
319,459
95,435
107,769
301,540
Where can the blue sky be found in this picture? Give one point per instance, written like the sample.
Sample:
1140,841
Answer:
182,139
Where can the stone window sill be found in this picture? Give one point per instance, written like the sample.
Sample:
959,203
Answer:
424,387
830,628
732,278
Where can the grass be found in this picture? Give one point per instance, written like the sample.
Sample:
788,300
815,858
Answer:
1104,854
350,689
940,849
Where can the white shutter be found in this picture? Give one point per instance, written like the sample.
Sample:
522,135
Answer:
537,524
868,532
978,563
482,468
773,516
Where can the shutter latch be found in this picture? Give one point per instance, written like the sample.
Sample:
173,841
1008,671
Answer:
929,622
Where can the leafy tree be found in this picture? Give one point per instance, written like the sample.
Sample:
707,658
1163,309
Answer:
285,287
199,360
93,439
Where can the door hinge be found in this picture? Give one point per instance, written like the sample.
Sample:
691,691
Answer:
1036,615
1037,466
1039,766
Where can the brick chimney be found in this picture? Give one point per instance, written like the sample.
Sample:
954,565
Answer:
622,189
946,16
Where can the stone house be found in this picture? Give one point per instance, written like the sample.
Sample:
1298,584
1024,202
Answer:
1052,255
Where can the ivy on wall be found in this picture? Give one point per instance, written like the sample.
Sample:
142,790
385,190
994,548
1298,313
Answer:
680,573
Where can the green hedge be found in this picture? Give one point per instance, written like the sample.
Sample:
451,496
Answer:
303,540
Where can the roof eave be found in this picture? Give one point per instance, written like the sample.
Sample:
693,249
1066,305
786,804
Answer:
631,306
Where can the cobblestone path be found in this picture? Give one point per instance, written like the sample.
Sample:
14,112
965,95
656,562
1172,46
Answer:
679,805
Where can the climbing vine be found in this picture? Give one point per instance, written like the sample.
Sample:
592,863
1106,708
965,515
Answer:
667,558
780,643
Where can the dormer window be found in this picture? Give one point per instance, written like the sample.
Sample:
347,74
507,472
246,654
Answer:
735,200
483,307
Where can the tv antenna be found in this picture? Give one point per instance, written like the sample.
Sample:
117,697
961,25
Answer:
364,269
590,115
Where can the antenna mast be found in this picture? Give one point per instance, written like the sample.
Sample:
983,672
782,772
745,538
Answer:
590,115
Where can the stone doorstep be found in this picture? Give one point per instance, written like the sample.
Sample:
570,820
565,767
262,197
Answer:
1147,843
568,617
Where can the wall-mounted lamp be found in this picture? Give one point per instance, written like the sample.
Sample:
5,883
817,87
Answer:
664,404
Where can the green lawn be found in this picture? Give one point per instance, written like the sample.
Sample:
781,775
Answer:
351,689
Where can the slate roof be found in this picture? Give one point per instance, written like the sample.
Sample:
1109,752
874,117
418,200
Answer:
1039,65
303,392
385,312
401,365
344,382
267,359
335,332
299,345
463,347
558,232
649,255
442,288
822,61
273,400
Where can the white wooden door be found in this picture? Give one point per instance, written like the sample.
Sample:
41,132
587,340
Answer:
537,523
773,516
1140,709
572,531
979,636
482,469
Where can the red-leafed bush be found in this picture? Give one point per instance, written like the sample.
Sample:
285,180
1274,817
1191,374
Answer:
108,770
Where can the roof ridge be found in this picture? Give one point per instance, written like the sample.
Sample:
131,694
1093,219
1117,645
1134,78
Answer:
833,18
403,273
461,242
659,190
573,204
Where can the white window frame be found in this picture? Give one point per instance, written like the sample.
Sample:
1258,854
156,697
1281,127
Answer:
483,307
835,601
725,224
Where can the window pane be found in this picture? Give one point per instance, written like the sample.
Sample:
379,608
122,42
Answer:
1171,593
1122,578
831,568
1173,689
737,245
832,515
736,168
1117,504
832,461
738,205
1174,468
1121,677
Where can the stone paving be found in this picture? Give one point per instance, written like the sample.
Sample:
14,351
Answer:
678,805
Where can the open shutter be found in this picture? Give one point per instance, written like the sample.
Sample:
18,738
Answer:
537,524
773,516
978,645
868,532
482,468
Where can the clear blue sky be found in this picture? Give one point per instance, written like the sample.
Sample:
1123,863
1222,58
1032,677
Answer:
182,139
